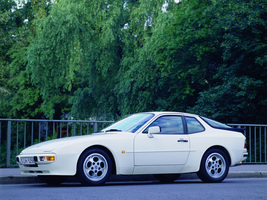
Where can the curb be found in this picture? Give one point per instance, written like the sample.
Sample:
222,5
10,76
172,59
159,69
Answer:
34,179
249,174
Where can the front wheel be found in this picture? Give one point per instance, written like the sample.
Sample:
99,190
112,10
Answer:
94,167
214,166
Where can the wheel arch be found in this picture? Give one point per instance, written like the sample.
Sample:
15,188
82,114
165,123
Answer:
215,170
104,149
221,148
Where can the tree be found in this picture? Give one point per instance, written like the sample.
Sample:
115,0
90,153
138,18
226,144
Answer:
139,77
19,98
241,93
104,58
210,49
77,51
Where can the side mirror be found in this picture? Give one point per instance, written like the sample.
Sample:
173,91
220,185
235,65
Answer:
152,130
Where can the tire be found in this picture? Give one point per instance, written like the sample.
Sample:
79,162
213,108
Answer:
94,167
52,180
166,178
214,166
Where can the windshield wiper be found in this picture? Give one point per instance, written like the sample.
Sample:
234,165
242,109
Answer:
111,130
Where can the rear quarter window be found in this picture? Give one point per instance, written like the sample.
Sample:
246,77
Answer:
193,125
215,124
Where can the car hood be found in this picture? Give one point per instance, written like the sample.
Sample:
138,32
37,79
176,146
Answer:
52,145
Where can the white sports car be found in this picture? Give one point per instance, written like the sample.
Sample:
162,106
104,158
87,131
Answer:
164,144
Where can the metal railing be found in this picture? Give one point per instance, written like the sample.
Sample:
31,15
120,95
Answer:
256,135
17,134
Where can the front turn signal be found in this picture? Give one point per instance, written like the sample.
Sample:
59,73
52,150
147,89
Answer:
50,158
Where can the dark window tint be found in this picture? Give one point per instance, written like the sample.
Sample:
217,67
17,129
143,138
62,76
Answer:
214,123
193,125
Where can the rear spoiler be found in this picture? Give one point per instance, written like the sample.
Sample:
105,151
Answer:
241,130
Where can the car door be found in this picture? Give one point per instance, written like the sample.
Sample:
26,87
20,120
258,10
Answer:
164,151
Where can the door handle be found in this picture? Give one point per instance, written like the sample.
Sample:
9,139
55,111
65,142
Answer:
182,140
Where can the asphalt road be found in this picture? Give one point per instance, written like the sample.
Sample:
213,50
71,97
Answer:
229,189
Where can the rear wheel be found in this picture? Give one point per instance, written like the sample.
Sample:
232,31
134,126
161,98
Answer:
94,167
214,166
166,178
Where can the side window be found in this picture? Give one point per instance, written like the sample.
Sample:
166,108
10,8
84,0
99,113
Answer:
169,125
193,125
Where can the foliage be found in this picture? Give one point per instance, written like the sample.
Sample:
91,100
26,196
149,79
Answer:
18,96
217,49
104,58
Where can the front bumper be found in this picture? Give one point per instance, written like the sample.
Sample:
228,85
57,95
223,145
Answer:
47,164
36,163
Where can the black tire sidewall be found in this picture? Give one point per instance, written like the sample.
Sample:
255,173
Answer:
80,173
203,174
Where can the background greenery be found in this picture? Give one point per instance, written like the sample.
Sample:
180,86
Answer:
105,59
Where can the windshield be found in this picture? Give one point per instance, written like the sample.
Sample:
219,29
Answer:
214,123
131,123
